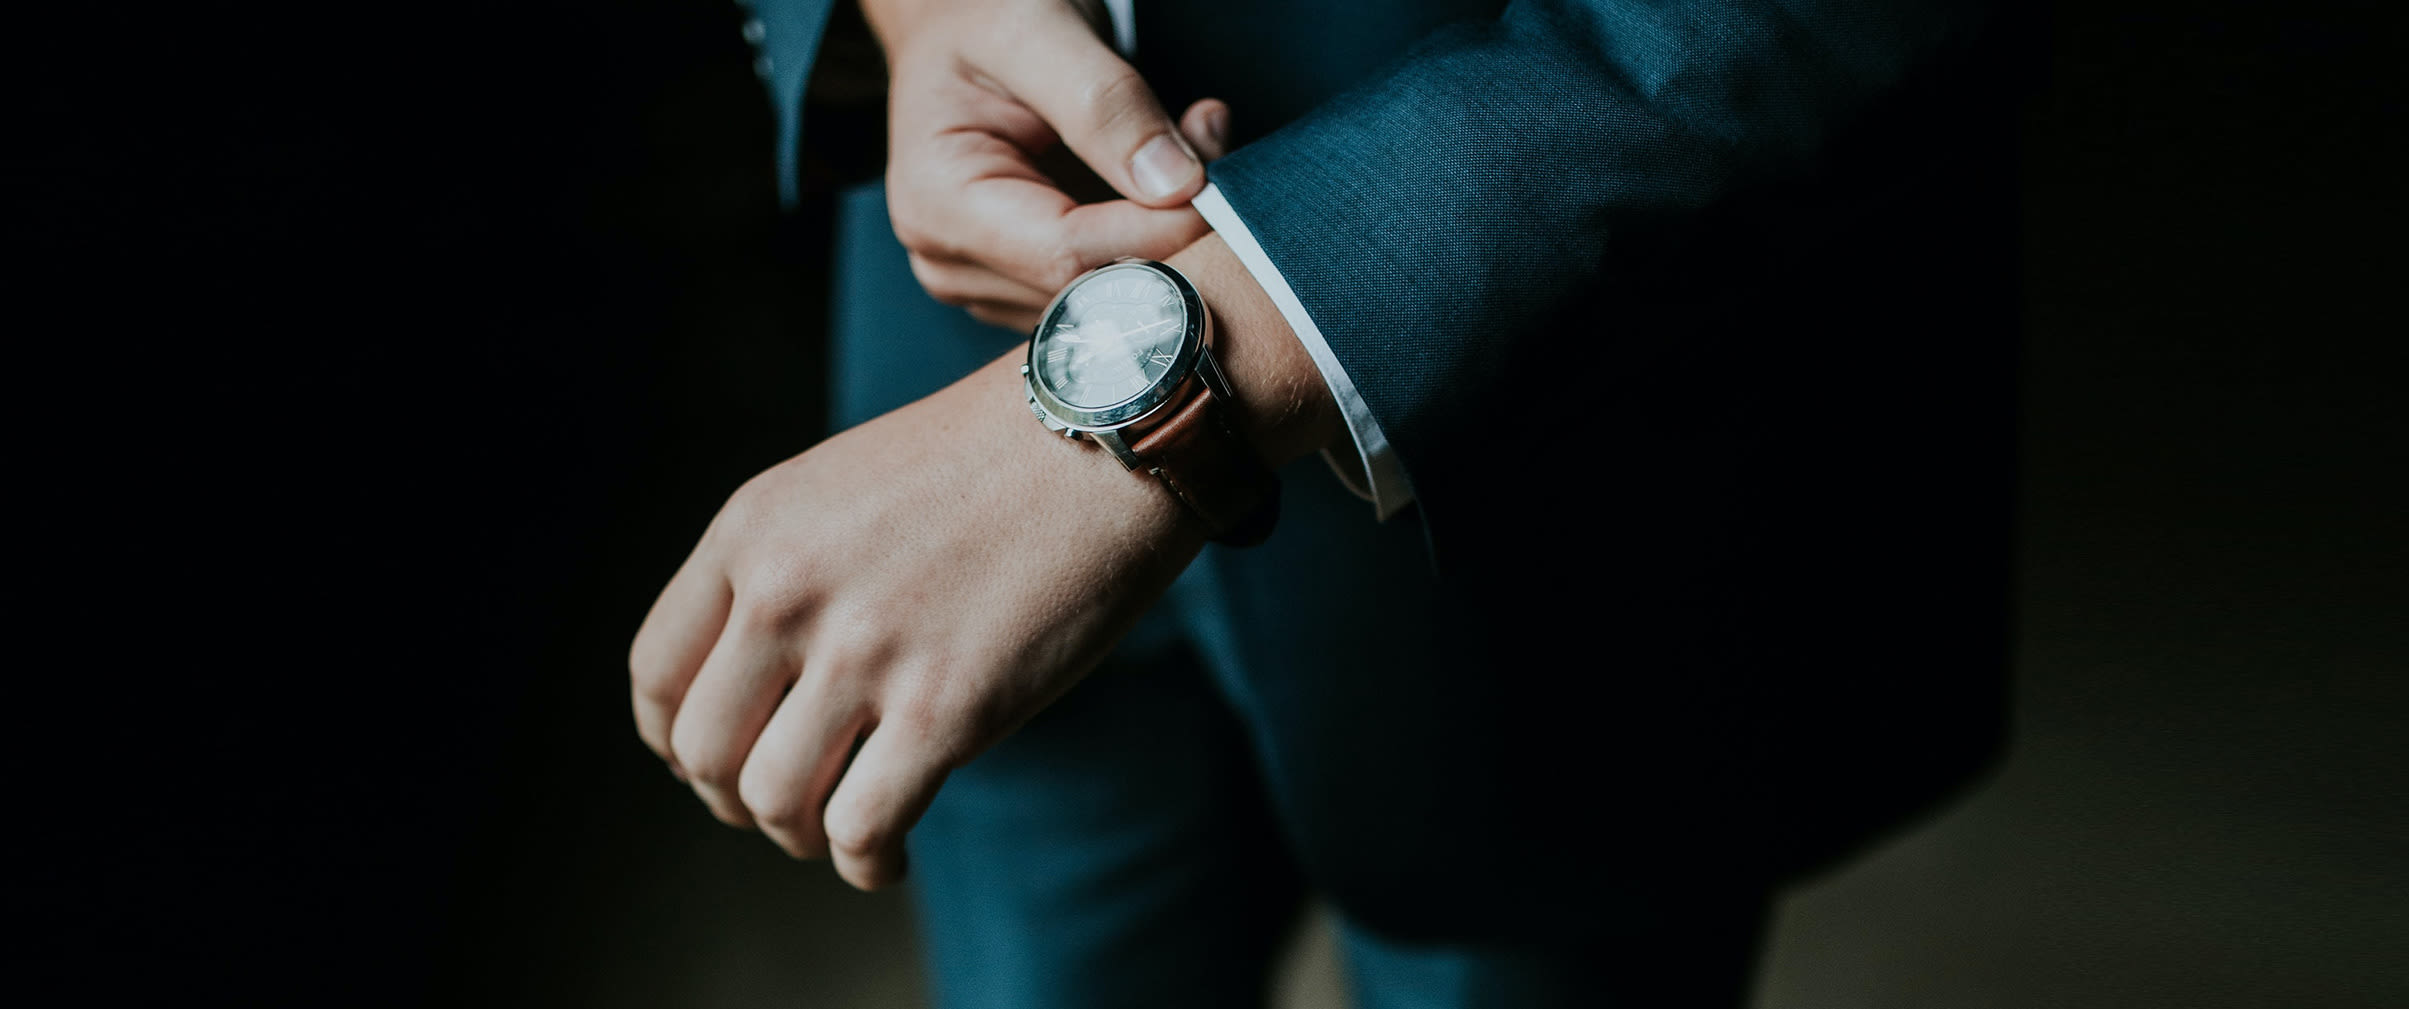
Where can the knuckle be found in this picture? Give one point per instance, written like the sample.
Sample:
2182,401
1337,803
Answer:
772,800
717,774
703,764
1116,101
937,284
772,596
1055,269
904,218
742,514
917,225
653,685
866,874
855,837
643,661
651,738
786,841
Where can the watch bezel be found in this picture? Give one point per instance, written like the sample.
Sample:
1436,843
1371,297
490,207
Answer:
1193,331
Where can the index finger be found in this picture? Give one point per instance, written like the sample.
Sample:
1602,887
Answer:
670,647
1032,233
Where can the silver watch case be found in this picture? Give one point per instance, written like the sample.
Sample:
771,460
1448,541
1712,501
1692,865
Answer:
1193,359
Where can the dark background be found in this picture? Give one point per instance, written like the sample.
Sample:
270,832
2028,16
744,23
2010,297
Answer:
372,368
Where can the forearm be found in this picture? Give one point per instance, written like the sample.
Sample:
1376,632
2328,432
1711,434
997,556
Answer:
1488,176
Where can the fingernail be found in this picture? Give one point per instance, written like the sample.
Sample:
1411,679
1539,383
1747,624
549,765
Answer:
1217,123
1163,167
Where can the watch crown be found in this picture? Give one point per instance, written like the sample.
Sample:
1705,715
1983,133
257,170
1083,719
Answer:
1024,369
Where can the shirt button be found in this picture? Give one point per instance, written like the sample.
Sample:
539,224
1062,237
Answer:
763,66
753,30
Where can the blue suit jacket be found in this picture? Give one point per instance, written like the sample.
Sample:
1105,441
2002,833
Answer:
1693,323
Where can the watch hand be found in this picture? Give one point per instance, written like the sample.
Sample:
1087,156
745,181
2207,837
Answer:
1144,328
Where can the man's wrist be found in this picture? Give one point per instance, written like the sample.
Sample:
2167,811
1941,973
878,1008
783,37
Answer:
1127,506
1284,409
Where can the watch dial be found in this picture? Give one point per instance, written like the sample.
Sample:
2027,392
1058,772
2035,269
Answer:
1113,336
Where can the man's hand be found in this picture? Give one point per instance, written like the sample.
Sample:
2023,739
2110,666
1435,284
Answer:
978,91
921,585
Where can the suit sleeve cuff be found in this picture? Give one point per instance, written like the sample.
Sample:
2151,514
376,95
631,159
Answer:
1372,470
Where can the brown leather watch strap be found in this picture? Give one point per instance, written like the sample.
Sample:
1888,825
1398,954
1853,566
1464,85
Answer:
1197,453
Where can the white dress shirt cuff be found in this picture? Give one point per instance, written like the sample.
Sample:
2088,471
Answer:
1372,470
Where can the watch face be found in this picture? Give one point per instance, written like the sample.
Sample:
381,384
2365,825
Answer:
1113,336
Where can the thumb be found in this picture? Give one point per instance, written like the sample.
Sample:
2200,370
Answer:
1104,112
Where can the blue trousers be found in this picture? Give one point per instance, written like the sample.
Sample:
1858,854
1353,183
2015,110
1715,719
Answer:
1272,729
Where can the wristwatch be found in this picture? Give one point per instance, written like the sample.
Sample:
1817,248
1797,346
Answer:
1123,358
